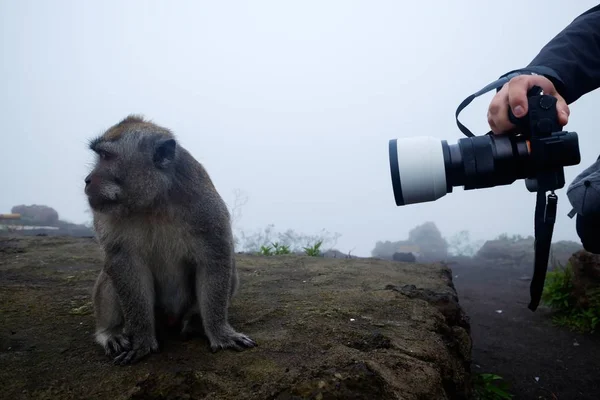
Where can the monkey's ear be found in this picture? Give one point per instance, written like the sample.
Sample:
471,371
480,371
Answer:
164,152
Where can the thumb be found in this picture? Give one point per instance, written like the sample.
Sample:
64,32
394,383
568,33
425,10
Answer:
517,96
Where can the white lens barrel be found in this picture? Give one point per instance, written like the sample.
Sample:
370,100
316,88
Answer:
418,170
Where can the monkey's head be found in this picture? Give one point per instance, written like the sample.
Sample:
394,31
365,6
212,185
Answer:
134,167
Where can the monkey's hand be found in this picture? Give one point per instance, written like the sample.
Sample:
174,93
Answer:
141,346
116,344
133,284
231,339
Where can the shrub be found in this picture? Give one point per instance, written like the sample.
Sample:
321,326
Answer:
314,250
558,295
490,387
274,249
279,249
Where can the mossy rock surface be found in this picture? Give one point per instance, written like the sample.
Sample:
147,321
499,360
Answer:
326,329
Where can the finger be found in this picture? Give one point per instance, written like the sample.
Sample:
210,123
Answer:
492,124
124,342
563,111
124,357
517,95
520,85
498,113
245,341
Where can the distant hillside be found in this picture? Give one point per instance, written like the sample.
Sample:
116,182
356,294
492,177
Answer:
38,219
519,251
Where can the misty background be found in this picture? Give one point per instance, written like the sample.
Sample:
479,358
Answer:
290,103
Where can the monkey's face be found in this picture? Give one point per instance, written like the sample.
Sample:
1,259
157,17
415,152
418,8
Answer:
132,172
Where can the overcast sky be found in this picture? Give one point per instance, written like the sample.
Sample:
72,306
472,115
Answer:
292,102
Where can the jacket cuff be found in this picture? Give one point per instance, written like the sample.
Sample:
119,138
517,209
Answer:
539,70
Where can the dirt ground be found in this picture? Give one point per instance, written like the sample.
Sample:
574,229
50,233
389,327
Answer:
538,360
325,328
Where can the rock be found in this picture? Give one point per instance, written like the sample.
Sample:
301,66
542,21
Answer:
326,328
520,252
425,241
427,236
404,257
38,214
586,276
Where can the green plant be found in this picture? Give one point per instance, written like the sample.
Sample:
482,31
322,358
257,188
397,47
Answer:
280,248
490,387
274,249
558,295
314,250
265,251
294,241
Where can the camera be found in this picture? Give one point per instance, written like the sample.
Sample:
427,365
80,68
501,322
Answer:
425,169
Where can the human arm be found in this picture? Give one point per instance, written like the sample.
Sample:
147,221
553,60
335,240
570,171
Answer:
567,67
571,60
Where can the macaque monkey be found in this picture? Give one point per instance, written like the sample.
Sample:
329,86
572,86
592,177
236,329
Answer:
167,241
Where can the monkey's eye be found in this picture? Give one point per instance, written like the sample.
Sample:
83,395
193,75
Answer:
104,155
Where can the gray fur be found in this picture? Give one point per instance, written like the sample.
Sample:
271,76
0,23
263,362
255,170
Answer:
167,239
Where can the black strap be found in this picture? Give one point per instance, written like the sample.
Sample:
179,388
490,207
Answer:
545,216
489,87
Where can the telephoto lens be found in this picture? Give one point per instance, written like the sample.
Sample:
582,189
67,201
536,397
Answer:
425,168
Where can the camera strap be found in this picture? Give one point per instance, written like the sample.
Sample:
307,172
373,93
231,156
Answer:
541,121
489,87
545,216
545,208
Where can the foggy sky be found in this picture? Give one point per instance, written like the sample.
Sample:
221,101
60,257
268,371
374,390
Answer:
292,102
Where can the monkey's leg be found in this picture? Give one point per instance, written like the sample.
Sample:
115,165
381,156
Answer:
109,318
133,284
213,292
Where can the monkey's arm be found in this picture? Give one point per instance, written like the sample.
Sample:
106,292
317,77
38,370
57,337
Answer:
215,276
133,284
571,60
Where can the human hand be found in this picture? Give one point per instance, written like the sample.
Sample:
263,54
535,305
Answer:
514,94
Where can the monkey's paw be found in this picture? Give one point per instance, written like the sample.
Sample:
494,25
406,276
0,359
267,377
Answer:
232,340
140,348
116,344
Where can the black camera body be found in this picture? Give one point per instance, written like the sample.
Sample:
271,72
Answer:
425,169
551,148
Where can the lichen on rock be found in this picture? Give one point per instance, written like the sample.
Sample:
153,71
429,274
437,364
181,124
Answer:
326,329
